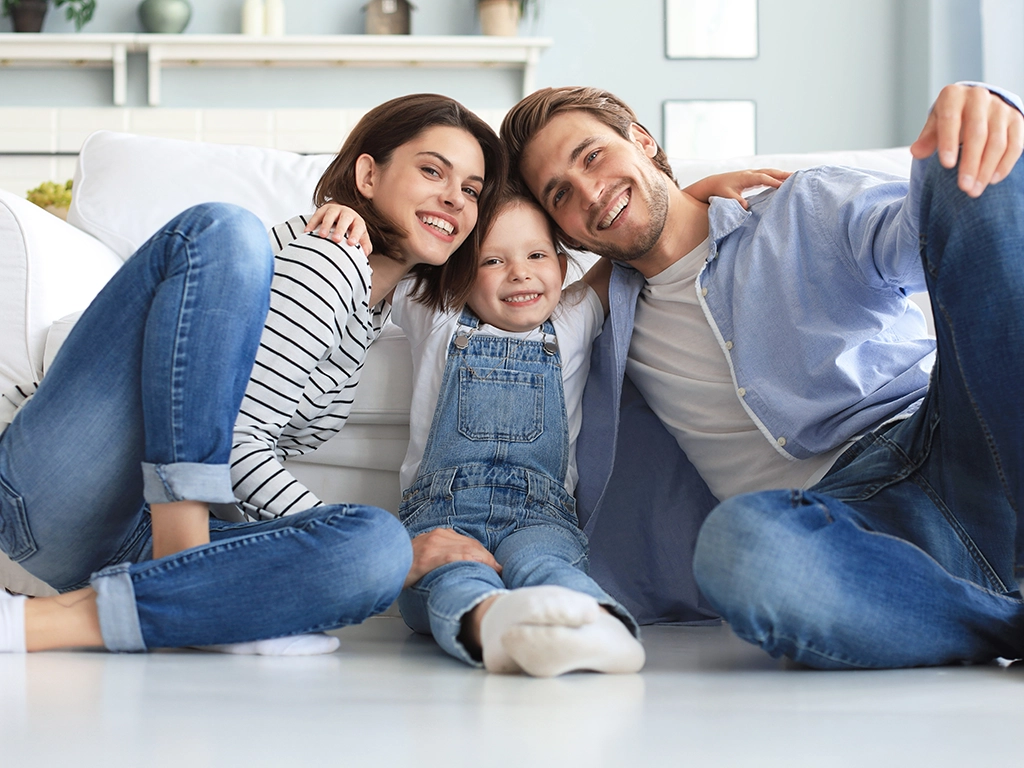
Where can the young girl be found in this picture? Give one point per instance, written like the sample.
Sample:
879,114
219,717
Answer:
498,386
107,473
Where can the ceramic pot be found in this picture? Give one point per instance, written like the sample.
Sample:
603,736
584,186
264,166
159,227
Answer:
499,17
167,17
28,15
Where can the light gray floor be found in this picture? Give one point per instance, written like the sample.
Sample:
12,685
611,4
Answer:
387,697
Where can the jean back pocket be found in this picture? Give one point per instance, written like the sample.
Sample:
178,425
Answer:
15,536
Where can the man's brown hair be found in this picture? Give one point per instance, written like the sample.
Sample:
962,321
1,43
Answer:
530,115
380,132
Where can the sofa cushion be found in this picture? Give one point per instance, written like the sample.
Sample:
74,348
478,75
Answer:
48,269
126,186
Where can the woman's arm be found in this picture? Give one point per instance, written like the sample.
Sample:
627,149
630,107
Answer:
306,367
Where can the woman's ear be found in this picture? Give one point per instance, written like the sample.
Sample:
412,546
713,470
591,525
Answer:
643,139
366,175
563,262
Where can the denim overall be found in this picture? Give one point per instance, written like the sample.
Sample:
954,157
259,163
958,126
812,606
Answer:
494,469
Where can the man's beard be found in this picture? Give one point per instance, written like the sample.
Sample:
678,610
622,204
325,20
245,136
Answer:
656,195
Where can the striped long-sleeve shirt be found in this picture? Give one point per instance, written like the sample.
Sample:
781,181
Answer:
307,368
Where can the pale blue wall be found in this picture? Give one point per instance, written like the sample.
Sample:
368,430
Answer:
830,75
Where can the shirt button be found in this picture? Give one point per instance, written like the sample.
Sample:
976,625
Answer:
781,441
703,291
728,345
741,392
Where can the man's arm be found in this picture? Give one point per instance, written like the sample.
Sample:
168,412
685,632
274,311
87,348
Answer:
984,129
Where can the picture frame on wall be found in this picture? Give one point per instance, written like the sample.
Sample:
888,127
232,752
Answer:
709,129
711,29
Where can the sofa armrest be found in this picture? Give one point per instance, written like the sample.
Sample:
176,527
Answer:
48,269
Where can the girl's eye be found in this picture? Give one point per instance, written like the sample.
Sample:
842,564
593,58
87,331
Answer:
537,255
490,262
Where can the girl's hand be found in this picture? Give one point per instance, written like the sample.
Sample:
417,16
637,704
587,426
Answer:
334,222
732,184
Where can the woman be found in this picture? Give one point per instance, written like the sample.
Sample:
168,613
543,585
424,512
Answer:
153,373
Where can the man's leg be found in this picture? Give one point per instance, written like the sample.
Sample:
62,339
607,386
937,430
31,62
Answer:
903,555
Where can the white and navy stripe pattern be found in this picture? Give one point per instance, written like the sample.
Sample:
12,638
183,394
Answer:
307,368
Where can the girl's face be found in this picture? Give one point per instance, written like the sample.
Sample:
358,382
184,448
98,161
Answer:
429,189
519,280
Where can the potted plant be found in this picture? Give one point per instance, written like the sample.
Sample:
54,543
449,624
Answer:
27,15
501,17
52,196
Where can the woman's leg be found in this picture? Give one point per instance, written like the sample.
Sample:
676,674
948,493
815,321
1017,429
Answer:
328,567
140,402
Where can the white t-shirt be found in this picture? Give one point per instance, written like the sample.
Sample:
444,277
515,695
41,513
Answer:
577,320
691,389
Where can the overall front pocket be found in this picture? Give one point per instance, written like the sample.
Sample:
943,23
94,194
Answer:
501,405
15,535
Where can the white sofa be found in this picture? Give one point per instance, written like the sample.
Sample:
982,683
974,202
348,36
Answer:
126,186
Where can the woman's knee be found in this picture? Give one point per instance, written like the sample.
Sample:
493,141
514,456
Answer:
372,555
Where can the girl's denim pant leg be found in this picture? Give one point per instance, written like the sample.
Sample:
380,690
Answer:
139,406
905,553
536,544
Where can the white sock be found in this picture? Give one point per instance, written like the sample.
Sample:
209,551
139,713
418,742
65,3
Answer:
294,645
604,645
12,622
529,606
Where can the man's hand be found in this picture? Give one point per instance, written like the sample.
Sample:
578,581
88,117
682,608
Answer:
435,548
988,132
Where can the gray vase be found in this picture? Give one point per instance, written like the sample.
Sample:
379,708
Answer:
165,16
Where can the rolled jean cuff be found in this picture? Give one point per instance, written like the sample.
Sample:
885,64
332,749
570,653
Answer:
187,481
115,604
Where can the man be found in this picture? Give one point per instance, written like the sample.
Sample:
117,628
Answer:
779,350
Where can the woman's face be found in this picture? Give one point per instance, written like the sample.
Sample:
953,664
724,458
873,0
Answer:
429,189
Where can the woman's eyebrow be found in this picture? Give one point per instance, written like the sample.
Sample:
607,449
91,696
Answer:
447,163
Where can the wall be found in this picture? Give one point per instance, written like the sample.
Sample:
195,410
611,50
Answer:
825,77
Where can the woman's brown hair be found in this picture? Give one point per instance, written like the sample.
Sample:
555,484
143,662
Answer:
378,134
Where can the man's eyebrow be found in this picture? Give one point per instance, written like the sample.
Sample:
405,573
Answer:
448,163
573,157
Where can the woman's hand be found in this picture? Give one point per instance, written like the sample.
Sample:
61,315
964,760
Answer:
732,184
440,546
332,221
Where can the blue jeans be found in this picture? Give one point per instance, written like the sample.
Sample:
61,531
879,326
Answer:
139,407
905,553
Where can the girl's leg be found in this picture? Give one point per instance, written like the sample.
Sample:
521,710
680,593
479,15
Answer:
556,619
151,376
438,603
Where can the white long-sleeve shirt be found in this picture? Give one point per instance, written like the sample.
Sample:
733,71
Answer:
307,368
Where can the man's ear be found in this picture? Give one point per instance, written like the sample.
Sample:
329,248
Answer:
643,139
574,244
366,175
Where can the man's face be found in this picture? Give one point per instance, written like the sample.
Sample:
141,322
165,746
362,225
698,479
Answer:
602,190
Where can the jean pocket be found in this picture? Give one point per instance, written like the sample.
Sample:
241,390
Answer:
15,536
501,405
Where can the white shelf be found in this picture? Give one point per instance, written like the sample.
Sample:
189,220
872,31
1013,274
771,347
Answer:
35,50
165,51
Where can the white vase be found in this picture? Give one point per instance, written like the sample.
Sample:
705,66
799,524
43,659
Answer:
252,17
499,17
273,18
